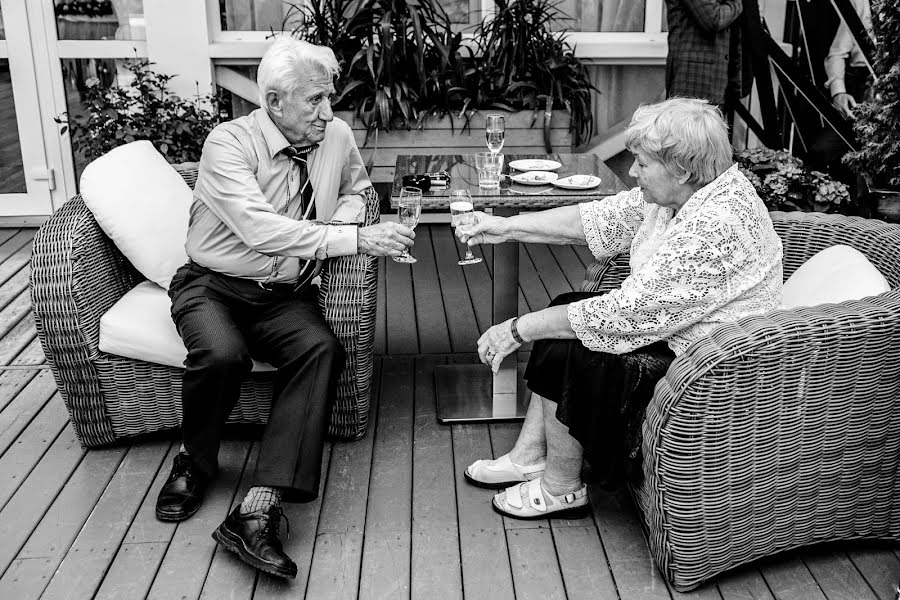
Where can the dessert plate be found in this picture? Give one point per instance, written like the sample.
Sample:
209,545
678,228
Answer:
534,164
577,182
535,177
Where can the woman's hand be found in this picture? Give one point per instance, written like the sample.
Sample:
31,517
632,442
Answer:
487,229
497,343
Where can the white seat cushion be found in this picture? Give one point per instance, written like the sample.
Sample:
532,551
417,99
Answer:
142,204
835,274
140,326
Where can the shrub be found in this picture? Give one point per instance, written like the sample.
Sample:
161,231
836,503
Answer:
785,184
877,123
143,110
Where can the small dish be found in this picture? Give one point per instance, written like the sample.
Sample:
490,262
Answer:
535,177
577,182
534,164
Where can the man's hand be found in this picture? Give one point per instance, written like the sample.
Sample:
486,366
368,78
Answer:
486,230
845,103
384,239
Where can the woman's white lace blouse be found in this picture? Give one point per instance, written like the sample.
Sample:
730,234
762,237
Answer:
717,260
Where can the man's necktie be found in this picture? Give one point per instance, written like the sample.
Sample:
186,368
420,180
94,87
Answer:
299,156
308,268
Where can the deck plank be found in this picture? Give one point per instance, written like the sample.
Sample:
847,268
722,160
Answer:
84,565
530,282
789,579
386,549
431,322
299,546
15,254
435,571
549,271
17,339
20,459
837,576
632,566
52,538
880,568
228,577
137,562
380,346
744,584
400,321
571,265
14,286
189,555
29,400
337,557
460,313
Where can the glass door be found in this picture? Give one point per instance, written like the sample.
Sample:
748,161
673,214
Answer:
26,179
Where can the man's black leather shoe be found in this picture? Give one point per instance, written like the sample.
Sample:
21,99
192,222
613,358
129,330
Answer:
182,494
254,538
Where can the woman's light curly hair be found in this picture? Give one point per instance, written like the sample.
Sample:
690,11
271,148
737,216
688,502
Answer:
687,135
289,63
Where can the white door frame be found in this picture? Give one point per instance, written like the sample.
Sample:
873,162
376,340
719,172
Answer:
36,204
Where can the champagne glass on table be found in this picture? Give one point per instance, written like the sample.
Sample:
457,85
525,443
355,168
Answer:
410,207
462,212
494,131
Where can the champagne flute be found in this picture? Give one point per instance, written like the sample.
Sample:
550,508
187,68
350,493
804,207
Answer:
409,209
462,212
494,129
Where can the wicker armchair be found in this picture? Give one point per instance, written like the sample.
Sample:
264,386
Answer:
77,274
781,430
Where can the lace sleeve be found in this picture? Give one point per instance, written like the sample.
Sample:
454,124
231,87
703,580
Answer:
610,224
694,272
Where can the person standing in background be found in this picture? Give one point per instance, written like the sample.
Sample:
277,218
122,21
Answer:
703,38
849,77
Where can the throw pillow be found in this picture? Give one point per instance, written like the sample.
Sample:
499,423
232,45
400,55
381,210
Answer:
835,274
142,204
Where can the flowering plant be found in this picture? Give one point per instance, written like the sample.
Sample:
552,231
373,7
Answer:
784,183
143,110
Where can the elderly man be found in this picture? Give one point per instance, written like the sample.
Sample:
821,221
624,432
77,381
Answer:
278,191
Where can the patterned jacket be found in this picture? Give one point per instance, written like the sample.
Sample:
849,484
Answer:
702,44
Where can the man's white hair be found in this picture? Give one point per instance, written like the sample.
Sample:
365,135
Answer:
687,135
288,63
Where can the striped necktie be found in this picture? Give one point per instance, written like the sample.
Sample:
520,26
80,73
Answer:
308,268
298,156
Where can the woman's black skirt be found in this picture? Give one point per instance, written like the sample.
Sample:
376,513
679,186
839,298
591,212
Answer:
600,397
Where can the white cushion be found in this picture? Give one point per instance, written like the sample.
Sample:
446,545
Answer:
140,326
833,275
142,204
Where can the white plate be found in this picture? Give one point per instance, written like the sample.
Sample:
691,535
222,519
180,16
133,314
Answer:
534,164
535,177
577,182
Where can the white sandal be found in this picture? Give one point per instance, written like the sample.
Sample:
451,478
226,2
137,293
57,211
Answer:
531,501
501,472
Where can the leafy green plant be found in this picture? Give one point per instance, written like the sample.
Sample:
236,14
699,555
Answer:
784,183
403,60
400,58
524,65
143,110
877,123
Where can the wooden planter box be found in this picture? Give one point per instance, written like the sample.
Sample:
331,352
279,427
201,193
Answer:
524,135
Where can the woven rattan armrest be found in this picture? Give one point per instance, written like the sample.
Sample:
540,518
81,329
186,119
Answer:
774,432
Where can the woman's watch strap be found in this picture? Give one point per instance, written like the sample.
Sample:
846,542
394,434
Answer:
515,331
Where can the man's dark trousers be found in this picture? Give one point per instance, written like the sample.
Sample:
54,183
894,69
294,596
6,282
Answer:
223,321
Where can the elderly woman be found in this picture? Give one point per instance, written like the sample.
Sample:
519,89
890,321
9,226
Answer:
703,252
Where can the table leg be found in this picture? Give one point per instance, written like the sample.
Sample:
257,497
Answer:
471,393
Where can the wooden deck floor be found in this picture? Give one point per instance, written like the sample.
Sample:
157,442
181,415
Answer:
394,518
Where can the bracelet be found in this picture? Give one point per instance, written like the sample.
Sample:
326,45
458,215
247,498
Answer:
515,331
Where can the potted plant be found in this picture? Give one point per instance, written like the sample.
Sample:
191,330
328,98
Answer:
785,184
143,110
411,82
877,123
